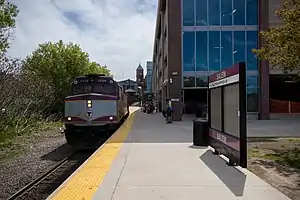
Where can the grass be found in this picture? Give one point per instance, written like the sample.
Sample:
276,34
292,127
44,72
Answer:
284,151
12,143
289,158
7,137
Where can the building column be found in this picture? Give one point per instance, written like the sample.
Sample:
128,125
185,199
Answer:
174,60
264,102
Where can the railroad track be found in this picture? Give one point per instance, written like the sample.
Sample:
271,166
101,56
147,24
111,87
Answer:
45,184
49,181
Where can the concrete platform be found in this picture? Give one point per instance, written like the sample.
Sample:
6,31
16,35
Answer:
157,161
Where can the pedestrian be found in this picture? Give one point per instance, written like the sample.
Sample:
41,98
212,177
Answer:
169,111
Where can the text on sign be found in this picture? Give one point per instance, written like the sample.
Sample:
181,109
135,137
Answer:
221,138
221,75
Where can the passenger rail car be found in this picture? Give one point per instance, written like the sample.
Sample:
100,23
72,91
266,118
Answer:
96,106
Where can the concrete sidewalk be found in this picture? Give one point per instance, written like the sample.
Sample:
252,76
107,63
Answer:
157,161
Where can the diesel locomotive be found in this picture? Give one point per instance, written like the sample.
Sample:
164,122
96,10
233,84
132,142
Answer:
97,105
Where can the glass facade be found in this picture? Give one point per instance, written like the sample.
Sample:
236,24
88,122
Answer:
215,35
149,77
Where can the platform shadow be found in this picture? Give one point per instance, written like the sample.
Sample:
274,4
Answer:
57,154
233,178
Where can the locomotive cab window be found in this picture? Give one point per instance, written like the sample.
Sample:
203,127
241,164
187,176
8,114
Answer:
81,89
94,84
108,89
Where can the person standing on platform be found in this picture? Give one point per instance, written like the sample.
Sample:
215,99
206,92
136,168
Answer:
169,111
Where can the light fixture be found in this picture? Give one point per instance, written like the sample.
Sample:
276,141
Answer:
89,103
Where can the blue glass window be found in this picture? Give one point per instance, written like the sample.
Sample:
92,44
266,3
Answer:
252,37
252,12
188,12
252,94
214,50
214,12
252,83
201,51
239,54
188,51
239,12
226,49
226,12
201,13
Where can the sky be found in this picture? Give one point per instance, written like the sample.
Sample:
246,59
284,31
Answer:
116,33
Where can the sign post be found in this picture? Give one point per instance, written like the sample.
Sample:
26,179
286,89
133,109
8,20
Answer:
227,114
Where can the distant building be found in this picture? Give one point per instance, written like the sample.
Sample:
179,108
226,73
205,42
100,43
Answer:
140,76
148,77
129,84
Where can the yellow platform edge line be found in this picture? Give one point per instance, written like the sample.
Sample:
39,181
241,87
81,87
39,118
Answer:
84,183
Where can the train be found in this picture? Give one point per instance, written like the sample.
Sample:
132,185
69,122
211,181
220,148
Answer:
96,106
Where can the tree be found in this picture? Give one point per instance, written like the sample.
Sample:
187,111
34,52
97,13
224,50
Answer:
58,64
8,13
282,43
96,68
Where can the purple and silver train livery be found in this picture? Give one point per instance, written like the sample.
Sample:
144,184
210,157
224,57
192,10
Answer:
97,104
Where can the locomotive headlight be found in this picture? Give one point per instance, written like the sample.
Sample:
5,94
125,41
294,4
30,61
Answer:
69,118
89,103
111,118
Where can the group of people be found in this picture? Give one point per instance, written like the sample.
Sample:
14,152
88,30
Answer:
167,111
148,107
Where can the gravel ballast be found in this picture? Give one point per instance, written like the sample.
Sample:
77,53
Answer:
36,154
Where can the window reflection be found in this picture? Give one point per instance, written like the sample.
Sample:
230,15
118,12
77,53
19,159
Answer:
214,50
252,37
81,89
202,81
188,51
252,93
252,84
188,81
201,12
239,46
226,50
238,12
188,13
201,51
214,12
252,12
226,12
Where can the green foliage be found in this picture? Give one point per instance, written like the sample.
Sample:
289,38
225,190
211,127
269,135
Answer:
8,13
32,90
282,43
58,64
96,68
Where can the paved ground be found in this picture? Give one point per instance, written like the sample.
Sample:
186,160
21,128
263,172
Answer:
158,162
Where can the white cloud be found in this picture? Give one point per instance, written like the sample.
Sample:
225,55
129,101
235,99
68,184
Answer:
118,33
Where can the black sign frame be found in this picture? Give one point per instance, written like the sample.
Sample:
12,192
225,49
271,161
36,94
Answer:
234,148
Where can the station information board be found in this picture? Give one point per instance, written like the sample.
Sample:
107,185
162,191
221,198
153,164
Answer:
227,113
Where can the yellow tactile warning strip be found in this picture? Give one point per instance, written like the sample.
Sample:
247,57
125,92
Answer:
85,181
